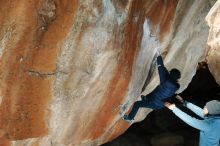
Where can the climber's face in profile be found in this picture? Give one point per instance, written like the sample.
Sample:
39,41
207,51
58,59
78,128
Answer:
175,74
205,111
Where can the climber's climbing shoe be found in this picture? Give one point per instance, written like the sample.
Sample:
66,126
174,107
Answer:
143,97
126,118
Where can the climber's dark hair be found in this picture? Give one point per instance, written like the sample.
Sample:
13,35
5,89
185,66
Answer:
175,74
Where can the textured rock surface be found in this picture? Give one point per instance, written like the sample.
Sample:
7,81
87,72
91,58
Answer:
213,51
69,67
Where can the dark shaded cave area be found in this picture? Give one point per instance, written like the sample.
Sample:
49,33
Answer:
162,127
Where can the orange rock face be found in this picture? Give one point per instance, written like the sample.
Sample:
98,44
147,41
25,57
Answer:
70,68
31,36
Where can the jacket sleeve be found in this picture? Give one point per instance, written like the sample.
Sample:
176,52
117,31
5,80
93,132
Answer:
198,124
163,73
197,110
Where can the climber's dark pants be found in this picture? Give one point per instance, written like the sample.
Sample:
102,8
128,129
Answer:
137,105
148,102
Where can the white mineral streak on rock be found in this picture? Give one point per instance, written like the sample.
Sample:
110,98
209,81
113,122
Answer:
4,40
93,60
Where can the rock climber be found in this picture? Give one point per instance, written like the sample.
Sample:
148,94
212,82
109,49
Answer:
210,125
166,89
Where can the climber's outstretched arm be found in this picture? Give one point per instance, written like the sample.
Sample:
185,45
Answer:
163,72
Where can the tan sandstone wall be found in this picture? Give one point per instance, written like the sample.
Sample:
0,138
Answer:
213,51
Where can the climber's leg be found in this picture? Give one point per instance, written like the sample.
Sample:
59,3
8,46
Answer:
135,109
149,97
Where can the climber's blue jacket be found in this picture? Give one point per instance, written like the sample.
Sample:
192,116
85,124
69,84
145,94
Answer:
166,89
209,127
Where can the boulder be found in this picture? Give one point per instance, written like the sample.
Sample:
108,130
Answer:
69,69
213,49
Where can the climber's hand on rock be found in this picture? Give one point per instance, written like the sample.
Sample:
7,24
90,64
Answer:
158,52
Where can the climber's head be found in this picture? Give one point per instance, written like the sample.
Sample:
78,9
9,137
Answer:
212,108
175,74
